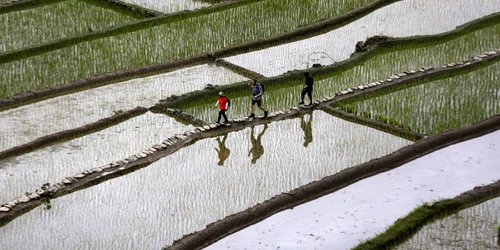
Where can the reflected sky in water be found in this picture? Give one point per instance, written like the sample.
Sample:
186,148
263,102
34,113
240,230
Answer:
471,228
401,19
27,172
170,5
26,123
183,192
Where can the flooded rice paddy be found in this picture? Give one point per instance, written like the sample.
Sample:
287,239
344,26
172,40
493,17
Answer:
150,208
435,107
471,228
175,40
26,123
344,218
216,177
401,19
54,21
374,69
169,6
28,172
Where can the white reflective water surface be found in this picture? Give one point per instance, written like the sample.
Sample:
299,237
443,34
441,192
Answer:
26,123
199,184
400,19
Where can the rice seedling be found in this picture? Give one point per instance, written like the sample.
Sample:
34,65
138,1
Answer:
401,19
179,39
286,95
169,6
51,22
471,228
52,164
26,123
363,209
183,192
441,105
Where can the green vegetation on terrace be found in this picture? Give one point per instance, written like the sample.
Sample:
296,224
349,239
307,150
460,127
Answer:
397,59
471,228
254,171
408,225
405,227
434,107
11,6
50,22
176,40
172,6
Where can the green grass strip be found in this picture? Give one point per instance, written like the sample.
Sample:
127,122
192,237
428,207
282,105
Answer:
404,228
25,5
200,33
392,55
115,31
51,22
284,91
118,6
125,8
387,126
439,105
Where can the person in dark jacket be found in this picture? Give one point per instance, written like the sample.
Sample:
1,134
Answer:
306,126
257,92
223,104
308,89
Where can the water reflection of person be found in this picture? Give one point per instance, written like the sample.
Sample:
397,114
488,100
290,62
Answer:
222,152
306,127
257,149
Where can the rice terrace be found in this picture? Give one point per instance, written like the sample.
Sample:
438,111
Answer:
375,124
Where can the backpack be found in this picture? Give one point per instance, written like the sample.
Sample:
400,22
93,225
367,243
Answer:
262,86
228,103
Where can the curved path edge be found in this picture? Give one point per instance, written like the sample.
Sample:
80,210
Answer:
233,223
405,227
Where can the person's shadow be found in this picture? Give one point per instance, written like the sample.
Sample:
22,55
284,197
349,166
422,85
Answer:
257,149
223,152
307,128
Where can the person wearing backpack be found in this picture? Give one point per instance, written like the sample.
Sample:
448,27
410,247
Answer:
257,92
223,103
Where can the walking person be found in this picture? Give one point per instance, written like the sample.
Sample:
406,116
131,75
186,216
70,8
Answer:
257,92
307,128
223,104
257,149
223,152
308,89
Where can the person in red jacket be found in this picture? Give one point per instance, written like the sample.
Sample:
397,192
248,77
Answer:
223,104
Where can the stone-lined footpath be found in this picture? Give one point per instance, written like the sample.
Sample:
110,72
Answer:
23,204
